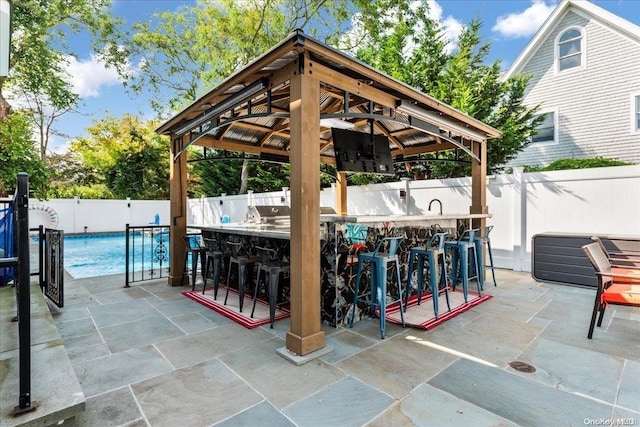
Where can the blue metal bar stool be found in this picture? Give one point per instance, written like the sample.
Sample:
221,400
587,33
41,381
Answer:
271,263
435,254
214,257
196,251
481,240
379,261
464,259
244,263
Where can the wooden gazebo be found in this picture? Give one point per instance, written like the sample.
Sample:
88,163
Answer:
282,106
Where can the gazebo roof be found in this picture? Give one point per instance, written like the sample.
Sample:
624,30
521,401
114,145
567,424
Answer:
249,111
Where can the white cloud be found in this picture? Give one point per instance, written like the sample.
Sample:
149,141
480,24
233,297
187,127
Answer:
452,29
89,77
525,23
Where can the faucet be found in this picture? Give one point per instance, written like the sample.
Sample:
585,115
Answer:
436,200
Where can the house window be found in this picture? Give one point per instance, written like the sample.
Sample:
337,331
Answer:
546,130
570,49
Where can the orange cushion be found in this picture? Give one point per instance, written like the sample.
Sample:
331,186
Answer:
622,293
634,272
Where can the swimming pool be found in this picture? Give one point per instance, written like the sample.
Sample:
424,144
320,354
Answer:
91,255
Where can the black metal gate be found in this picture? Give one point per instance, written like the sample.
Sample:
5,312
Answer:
146,253
53,283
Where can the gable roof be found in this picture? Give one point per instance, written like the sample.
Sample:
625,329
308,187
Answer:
249,111
581,7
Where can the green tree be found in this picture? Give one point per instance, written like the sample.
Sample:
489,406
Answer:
223,175
18,154
192,50
125,158
71,177
403,41
39,52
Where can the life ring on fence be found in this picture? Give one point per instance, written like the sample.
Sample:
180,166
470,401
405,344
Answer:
42,214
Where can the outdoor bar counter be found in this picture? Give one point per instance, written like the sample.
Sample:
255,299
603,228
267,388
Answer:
340,238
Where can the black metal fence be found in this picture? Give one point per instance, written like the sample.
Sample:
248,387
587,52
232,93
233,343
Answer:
17,269
146,252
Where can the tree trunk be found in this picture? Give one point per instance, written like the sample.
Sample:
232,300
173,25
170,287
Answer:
244,177
5,107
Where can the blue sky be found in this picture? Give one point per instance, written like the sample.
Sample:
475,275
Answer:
508,24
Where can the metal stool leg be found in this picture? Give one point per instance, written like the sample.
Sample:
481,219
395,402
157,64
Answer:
476,263
381,290
274,275
464,272
400,292
355,292
226,295
420,277
242,270
435,289
194,268
493,271
444,282
216,276
412,255
255,290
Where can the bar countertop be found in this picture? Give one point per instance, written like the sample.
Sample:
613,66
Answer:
277,231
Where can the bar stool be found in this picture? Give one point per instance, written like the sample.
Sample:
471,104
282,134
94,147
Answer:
241,258
463,258
379,261
481,240
435,254
196,251
214,257
270,263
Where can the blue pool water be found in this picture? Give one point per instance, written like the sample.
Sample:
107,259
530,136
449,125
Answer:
104,254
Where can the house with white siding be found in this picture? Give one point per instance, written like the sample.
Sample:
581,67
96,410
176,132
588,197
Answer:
585,67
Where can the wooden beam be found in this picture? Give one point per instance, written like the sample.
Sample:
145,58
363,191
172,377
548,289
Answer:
306,335
355,87
420,149
341,193
177,211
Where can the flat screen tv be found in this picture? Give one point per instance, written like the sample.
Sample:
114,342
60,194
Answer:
361,152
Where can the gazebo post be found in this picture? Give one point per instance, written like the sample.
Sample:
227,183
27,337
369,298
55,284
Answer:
306,335
479,184
479,189
341,193
178,212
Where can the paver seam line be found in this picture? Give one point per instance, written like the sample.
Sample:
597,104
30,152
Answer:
99,333
173,367
264,398
586,396
538,312
135,398
625,363
166,317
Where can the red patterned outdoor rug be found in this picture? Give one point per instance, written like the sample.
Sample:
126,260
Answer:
232,309
421,316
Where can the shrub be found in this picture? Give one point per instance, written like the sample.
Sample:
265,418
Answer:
566,164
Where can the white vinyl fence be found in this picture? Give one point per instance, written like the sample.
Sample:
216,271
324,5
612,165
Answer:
602,201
